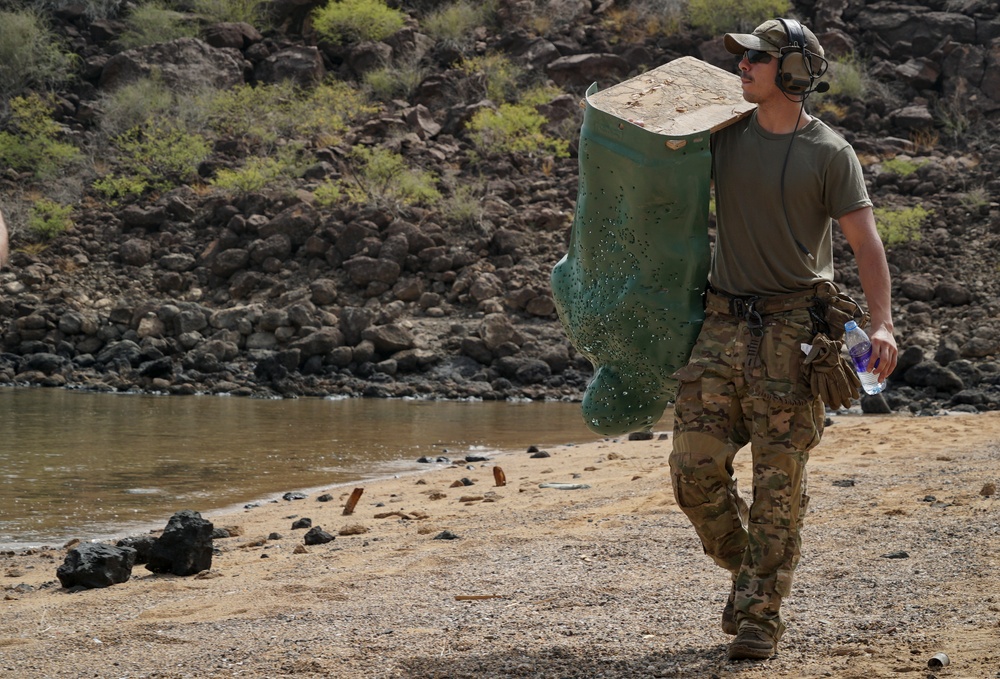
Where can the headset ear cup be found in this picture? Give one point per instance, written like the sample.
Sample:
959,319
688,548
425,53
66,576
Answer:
794,74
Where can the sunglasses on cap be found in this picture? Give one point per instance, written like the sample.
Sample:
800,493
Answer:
757,57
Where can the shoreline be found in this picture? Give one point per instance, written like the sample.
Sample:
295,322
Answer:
221,454
121,531
605,581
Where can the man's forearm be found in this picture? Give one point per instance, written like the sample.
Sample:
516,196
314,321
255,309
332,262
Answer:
875,282
869,253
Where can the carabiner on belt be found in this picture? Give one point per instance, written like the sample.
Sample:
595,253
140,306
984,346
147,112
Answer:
745,308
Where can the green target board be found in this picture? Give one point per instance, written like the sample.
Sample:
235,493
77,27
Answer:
629,289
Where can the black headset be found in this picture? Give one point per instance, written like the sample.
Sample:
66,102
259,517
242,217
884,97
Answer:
798,68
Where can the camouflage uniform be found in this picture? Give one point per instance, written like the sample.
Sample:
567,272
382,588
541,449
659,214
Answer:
739,388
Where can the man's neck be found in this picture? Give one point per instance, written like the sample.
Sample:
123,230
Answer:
781,116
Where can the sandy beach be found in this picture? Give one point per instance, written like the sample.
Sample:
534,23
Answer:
900,562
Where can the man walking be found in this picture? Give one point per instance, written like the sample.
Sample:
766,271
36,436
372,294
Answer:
781,178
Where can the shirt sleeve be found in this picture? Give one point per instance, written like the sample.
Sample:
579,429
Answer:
845,184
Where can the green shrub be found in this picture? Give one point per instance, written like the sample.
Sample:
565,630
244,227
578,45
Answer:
900,225
259,116
953,113
153,157
47,219
256,174
333,104
151,23
163,154
117,188
347,21
134,104
30,54
641,19
498,74
395,81
33,144
100,9
513,128
453,24
847,77
262,116
464,206
975,198
725,16
252,12
540,94
92,9
382,179
327,194
829,110
902,166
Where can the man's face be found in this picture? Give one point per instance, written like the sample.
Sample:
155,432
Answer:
758,71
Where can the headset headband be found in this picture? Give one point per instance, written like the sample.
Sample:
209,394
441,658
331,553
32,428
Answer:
796,36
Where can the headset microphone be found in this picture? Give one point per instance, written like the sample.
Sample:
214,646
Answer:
822,87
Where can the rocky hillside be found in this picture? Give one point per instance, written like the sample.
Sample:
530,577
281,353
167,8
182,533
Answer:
271,292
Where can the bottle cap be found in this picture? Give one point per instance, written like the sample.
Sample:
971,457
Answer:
850,325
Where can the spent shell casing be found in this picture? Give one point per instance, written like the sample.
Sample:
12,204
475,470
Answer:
938,660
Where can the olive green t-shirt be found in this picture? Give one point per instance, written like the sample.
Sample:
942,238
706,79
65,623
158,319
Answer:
755,250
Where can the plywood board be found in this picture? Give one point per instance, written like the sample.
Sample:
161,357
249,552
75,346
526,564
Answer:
680,98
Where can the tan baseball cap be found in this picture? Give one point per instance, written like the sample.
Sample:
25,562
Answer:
770,36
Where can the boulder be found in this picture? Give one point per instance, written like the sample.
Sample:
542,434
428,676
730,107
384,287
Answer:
233,34
364,270
353,321
184,547
320,343
497,329
45,362
367,55
135,252
185,64
388,339
323,291
930,374
297,222
230,261
952,293
96,565
421,121
317,536
301,65
581,70
142,544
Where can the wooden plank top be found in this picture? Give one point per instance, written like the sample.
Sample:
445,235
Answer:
680,98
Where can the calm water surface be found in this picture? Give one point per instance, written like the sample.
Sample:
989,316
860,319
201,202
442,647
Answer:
86,465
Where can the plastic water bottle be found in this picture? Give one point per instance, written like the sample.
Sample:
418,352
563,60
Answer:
860,348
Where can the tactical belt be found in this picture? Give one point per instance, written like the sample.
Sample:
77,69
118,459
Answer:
753,309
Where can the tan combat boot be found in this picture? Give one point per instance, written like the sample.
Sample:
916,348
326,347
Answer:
752,642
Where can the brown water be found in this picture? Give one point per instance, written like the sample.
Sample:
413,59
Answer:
86,465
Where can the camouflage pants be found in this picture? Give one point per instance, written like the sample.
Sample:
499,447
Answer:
727,398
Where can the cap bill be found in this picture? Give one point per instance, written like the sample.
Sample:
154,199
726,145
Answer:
737,43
